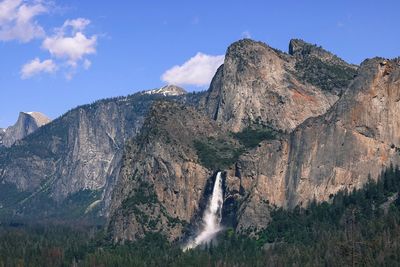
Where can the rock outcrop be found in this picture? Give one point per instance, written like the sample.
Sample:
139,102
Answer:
321,68
27,123
260,84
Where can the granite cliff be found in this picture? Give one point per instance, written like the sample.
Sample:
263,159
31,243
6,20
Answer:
259,83
340,150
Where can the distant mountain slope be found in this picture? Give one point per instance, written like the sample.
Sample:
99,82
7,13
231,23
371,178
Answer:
81,150
27,123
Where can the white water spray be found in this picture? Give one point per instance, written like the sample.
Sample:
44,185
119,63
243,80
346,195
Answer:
211,218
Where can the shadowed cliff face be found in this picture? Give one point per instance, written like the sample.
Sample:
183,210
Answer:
81,150
260,84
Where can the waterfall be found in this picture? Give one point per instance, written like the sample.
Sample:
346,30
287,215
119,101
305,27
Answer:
211,218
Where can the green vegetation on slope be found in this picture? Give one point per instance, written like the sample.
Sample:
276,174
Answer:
15,204
217,153
250,137
220,153
324,75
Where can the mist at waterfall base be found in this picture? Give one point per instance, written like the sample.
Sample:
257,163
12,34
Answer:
211,218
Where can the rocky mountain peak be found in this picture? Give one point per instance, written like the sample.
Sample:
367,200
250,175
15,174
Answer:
27,123
298,47
302,49
39,118
249,52
245,44
259,83
168,90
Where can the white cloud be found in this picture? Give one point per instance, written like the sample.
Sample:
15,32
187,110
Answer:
198,70
86,64
68,46
17,20
78,24
73,48
72,45
35,67
246,34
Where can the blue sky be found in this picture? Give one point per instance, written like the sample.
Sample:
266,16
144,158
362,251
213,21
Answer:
75,52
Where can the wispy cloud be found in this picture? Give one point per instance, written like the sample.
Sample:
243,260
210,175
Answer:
246,34
17,20
197,71
86,64
36,66
76,25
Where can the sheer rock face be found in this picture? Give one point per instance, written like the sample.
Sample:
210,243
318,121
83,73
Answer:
163,163
27,123
80,150
257,83
356,139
